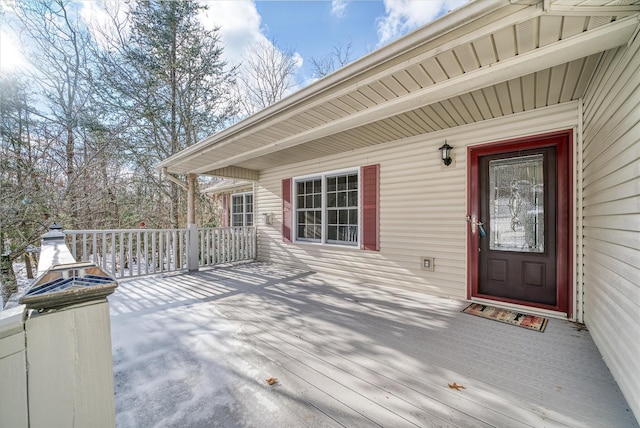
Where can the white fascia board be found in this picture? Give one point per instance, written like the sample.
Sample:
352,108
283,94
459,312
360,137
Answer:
446,23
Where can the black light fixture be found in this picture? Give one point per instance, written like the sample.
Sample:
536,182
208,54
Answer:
445,150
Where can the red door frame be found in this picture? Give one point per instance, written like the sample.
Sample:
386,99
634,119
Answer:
563,142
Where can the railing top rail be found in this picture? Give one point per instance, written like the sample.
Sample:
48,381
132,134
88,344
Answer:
78,232
81,231
227,228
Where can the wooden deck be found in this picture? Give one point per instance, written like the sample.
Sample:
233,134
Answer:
196,349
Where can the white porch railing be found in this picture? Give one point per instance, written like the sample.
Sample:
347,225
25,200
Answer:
226,244
136,252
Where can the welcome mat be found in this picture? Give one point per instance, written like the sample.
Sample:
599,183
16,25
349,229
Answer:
531,322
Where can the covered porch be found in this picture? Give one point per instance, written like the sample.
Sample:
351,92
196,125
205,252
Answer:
197,349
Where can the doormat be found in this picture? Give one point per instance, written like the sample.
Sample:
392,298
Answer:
532,322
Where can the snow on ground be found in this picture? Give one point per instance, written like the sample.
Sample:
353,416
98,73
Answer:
20,271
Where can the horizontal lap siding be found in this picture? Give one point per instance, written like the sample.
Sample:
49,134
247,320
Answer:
422,206
612,215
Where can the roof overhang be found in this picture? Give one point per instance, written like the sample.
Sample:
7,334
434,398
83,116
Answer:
485,60
228,186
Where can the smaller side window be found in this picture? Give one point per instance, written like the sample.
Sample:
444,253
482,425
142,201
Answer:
242,209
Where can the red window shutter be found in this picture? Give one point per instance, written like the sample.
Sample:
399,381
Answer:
370,180
225,210
286,210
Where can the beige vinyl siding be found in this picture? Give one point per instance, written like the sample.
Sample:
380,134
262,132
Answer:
423,206
611,195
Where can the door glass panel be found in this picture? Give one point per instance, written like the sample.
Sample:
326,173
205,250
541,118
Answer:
516,204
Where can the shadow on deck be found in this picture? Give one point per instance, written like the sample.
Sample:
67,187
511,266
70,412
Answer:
195,350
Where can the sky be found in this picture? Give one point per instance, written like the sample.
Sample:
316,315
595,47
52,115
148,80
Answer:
312,29
309,29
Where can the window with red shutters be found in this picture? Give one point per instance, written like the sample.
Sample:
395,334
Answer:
326,209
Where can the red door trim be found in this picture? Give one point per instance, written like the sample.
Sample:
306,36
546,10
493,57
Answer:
563,141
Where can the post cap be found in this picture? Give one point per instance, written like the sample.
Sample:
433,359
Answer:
55,233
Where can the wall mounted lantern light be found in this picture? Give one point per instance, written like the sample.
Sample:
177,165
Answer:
445,151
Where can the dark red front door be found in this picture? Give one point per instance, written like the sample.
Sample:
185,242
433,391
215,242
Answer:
519,221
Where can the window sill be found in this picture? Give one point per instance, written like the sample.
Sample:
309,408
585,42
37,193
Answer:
328,245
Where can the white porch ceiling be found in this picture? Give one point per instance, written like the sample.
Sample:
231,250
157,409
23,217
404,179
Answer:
514,58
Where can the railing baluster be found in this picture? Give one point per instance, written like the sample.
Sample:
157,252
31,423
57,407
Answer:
225,239
202,237
247,242
94,246
210,245
121,253
219,247
203,257
206,253
83,256
113,254
73,246
146,252
138,253
130,254
153,252
254,240
160,251
167,243
104,252
209,238
182,255
232,245
176,258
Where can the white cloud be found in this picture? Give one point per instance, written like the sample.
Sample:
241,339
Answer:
239,23
402,16
98,16
339,8
240,27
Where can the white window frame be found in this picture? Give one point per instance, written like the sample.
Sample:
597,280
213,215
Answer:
244,209
324,216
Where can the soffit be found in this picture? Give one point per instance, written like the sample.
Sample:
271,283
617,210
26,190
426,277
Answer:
560,84
381,104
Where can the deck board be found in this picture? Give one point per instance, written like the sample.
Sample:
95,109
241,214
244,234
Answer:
347,354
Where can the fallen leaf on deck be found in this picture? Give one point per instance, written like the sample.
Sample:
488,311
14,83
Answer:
456,386
272,381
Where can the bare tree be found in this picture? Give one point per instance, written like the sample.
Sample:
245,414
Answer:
58,44
339,57
27,176
266,76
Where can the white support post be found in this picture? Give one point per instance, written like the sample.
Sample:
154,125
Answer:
56,359
192,228
70,380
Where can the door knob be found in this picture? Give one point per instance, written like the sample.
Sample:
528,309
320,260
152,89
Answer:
475,224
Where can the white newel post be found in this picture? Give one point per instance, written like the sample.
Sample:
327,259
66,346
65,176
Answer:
14,411
55,354
192,228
